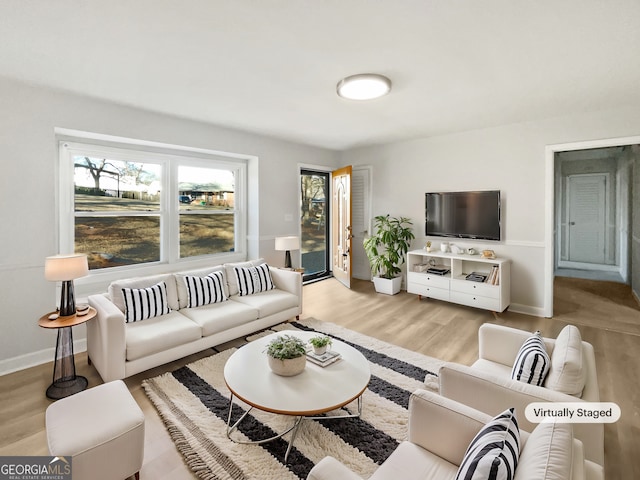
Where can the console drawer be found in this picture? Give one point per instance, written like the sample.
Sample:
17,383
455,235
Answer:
429,291
428,279
475,288
476,301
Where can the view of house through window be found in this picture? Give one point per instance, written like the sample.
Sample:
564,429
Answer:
129,209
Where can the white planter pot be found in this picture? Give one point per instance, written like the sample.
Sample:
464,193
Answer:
387,286
288,367
320,350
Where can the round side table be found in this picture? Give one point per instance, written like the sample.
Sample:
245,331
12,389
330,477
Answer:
65,381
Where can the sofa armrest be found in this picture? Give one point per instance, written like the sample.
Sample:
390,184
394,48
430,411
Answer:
331,469
289,281
442,426
106,340
493,394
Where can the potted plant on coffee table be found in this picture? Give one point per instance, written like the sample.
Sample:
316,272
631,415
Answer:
287,355
386,249
320,344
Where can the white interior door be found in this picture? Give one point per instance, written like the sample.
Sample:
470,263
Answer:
341,231
587,217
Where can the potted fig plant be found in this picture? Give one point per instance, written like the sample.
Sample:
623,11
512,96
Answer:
287,355
386,249
320,344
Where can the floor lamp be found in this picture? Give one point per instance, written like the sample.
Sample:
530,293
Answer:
287,244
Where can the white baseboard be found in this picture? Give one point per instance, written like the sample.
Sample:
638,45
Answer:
29,360
526,309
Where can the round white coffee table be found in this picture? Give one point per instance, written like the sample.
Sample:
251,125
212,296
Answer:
315,391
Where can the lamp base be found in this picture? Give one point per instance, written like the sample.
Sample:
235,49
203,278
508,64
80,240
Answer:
67,299
287,259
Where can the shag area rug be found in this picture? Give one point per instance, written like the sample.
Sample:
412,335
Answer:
194,404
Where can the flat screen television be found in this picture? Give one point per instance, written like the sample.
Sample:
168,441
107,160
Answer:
463,214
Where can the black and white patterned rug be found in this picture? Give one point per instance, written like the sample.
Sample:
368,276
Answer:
194,403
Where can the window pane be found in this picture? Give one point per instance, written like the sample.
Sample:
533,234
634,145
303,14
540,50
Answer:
102,184
205,189
204,234
118,241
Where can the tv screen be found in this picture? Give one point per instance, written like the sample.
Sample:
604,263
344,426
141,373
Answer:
463,214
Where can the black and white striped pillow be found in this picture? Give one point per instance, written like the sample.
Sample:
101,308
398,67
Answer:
143,303
532,362
494,451
254,279
205,290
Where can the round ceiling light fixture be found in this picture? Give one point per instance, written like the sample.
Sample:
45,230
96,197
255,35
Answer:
364,86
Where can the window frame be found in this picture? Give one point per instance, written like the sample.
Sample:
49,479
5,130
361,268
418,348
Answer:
169,212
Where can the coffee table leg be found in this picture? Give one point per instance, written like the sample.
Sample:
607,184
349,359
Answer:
296,427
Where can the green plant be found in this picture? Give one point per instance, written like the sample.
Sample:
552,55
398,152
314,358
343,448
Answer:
320,341
387,247
284,347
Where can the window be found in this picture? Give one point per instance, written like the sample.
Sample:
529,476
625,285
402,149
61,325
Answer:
126,207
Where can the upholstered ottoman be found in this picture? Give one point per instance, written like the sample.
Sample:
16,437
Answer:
102,429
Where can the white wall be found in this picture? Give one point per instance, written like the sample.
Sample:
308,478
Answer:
510,158
28,157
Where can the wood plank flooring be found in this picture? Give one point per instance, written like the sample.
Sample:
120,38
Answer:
438,329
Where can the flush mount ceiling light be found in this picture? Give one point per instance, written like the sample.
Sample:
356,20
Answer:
364,86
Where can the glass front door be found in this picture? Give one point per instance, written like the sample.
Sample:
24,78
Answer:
314,186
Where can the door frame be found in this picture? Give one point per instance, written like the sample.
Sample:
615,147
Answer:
550,204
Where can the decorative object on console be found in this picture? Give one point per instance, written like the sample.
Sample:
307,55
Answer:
444,247
65,269
427,246
287,355
488,254
386,249
287,244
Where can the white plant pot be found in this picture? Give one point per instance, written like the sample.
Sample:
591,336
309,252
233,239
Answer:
320,350
288,367
387,286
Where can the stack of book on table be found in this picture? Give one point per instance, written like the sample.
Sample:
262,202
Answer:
327,358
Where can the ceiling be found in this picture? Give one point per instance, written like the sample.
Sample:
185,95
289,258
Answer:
271,66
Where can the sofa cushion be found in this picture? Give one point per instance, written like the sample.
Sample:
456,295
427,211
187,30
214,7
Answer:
216,317
143,303
567,373
115,289
231,274
160,333
253,279
411,462
205,290
494,450
268,303
183,298
532,362
547,454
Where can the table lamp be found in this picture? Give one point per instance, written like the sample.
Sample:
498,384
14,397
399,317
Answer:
66,268
287,244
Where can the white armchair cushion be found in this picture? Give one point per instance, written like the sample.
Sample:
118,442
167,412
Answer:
544,456
143,303
567,372
532,362
494,451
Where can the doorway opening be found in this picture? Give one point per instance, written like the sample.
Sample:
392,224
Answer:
314,224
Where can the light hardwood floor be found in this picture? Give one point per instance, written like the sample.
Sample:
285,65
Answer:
605,315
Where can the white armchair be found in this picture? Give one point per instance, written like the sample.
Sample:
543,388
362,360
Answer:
488,387
440,431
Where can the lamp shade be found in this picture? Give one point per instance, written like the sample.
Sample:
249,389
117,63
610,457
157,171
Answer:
287,243
65,267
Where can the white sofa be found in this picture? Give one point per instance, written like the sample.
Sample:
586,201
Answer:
487,385
441,429
119,349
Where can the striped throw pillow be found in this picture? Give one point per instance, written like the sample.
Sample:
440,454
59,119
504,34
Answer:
532,362
494,451
143,303
205,290
254,279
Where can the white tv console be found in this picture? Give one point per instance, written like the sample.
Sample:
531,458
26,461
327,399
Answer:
453,286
